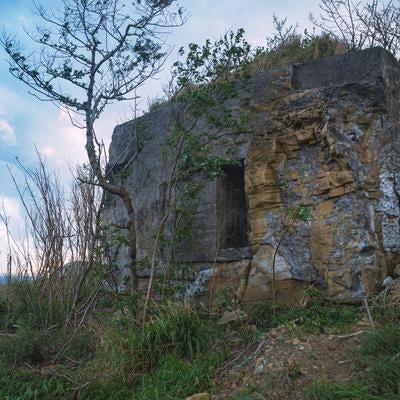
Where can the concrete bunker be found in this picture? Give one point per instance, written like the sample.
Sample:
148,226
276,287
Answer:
325,134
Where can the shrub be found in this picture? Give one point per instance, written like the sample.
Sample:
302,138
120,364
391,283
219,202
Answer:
316,316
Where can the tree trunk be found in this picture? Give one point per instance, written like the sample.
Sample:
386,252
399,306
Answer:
118,190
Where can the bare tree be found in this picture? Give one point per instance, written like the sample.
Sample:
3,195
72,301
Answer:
361,24
383,22
57,251
91,54
340,18
283,33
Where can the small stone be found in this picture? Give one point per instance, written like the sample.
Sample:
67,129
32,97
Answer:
199,396
387,281
232,316
273,333
331,346
258,370
259,361
296,341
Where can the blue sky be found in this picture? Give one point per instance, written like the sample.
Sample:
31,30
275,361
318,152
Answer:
26,123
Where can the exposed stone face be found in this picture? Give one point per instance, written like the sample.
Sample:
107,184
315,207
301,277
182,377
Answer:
325,135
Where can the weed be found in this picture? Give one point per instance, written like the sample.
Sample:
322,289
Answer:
291,371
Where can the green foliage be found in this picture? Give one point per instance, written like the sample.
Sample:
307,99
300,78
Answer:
205,64
316,317
300,213
128,350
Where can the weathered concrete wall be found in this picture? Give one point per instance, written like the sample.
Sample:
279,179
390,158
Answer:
325,134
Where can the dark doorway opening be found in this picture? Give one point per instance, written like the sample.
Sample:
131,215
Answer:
232,208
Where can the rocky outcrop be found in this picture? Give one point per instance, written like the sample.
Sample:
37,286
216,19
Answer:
325,135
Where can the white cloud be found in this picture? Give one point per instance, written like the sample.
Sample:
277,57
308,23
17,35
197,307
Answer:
10,208
63,144
47,151
7,132
22,19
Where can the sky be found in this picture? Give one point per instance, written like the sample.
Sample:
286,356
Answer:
27,124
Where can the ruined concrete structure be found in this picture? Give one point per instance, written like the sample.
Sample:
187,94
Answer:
326,136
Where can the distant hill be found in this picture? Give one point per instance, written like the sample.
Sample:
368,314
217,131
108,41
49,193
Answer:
3,278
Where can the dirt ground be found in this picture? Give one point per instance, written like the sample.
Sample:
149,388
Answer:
280,364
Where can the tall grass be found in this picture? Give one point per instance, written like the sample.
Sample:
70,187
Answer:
127,350
296,49
175,354
378,362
